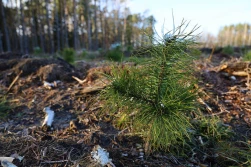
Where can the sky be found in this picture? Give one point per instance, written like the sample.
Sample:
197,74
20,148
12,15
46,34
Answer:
210,15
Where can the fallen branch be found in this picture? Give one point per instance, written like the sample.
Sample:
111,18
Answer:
14,81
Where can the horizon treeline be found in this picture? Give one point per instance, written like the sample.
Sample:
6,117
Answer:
237,35
52,25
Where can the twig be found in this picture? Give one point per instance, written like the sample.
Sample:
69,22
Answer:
14,81
79,80
229,93
51,162
221,112
69,154
110,164
207,106
122,131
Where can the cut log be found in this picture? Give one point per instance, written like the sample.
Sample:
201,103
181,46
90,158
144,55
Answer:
235,68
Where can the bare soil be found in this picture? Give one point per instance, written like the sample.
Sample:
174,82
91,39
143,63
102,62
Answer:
77,127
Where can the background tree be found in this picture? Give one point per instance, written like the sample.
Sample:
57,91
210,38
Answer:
24,39
50,41
87,14
1,43
46,25
6,32
57,28
235,35
41,27
75,22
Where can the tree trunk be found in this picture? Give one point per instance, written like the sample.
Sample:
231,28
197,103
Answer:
51,43
1,43
24,39
57,26
249,36
62,15
236,38
245,35
83,43
34,33
34,25
18,29
88,22
95,47
89,33
40,29
124,29
41,36
101,18
75,25
227,37
7,38
106,28
65,26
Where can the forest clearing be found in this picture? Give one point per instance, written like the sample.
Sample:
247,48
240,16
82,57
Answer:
91,83
78,127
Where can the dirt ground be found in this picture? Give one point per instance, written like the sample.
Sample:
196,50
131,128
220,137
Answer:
31,84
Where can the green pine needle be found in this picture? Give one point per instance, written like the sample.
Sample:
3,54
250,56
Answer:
157,97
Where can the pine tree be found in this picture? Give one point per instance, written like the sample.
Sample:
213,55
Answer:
7,38
157,97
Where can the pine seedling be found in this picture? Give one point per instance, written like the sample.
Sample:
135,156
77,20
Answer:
156,98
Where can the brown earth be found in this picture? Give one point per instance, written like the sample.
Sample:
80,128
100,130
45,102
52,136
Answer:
77,128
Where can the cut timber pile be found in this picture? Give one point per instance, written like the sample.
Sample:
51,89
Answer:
235,68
